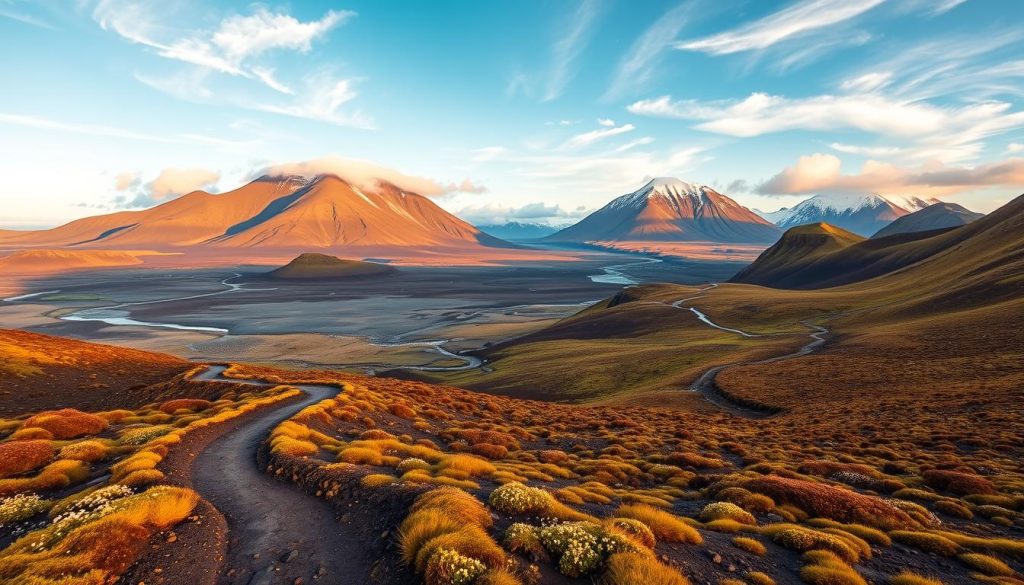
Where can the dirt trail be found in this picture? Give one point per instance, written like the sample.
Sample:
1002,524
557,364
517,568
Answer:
269,518
705,385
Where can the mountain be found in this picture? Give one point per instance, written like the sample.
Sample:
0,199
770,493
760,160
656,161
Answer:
321,266
40,261
667,209
515,230
284,213
797,253
984,252
937,216
772,216
861,214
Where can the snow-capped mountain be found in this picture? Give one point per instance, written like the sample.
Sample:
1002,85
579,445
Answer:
517,230
668,209
861,214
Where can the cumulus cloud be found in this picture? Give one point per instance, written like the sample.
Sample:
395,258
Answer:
169,184
1014,147
823,173
367,175
127,181
797,19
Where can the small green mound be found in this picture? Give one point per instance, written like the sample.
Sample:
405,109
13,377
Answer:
322,266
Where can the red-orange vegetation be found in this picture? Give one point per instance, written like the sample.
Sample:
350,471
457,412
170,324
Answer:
67,423
17,457
826,501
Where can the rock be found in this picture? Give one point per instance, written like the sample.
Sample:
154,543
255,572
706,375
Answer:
298,581
262,578
716,558
290,556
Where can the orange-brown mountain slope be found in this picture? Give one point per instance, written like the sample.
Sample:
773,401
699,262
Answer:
667,209
273,212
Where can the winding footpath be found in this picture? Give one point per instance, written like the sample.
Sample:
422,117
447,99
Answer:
706,386
269,518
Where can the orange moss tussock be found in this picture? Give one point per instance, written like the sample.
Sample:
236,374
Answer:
17,457
831,502
67,423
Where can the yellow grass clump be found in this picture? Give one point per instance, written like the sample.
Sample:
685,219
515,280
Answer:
665,525
635,568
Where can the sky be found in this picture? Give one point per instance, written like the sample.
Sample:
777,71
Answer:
510,111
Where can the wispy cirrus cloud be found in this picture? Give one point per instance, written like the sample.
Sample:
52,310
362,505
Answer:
588,138
799,18
230,48
638,65
948,134
569,47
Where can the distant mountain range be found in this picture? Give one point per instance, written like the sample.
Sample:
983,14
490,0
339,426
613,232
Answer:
280,213
860,214
938,216
980,257
667,209
515,230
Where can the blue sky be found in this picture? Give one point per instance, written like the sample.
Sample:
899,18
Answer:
517,110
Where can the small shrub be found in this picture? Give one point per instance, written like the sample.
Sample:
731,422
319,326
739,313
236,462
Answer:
909,578
67,423
726,510
17,457
91,450
958,482
21,507
664,525
803,539
190,404
635,530
832,502
986,564
635,568
759,578
411,463
954,509
456,504
360,456
517,499
751,545
926,541
522,539
448,567
499,576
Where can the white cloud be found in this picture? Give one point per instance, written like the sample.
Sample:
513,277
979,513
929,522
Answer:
496,213
589,138
127,181
799,18
638,64
569,47
635,143
867,82
822,173
865,150
605,122
322,100
488,153
76,128
173,182
228,49
465,186
169,184
365,175
1014,147
946,134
